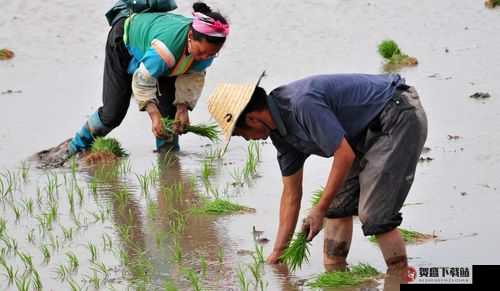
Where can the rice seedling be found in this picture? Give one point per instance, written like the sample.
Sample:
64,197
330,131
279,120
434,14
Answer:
54,242
73,164
107,242
203,266
192,277
357,275
31,236
3,226
74,285
218,206
10,273
409,236
62,272
390,51
258,256
168,285
213,154
238,178
10,245
244,284
210,131
93,251
296,252
72,261
177,222
37,283
177,251
28,205
93,186
23,283
45,253
27,261
52,186
255,148
124,167
9,186
152,209
16,210
100,268
94,280
144,183
206,171
316,196
24,171
6,54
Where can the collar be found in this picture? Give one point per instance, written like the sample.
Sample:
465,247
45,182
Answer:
276,116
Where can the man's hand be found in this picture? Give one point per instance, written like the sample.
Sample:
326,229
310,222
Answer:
274,257
313,223
181,119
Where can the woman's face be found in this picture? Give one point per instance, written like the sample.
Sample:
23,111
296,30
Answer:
202,50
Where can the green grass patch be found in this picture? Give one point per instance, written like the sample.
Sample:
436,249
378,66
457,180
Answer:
111,145
210,131
357,275
296,252
218,206
409,236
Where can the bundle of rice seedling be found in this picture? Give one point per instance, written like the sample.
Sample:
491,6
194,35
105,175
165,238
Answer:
210,131
491,3
296,252
358,274
105,150
6,54
219,206
390,51
409,236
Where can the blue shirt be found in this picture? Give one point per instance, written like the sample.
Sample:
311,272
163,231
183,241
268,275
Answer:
312,115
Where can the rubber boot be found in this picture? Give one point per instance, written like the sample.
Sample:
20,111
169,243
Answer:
84,138
163,145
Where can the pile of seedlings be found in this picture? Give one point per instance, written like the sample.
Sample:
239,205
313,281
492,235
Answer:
491,3
104,150
393,55
210,131
356,276
6,54
409,236
219,206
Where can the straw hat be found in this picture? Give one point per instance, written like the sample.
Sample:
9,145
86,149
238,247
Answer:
226,104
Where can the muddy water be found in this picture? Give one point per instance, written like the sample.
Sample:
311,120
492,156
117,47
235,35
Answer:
55,80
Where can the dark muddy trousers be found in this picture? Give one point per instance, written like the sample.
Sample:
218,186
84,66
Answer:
383,171
117,88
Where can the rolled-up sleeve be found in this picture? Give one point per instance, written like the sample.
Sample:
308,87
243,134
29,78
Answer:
144,87
188,88
321,125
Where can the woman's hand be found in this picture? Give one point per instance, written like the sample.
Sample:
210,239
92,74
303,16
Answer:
181,120
156,123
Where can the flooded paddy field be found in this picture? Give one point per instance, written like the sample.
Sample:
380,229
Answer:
134,225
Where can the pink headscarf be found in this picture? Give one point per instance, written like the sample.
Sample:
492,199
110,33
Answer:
209,26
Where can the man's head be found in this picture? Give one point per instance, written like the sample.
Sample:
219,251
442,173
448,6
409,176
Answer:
250,124
241,110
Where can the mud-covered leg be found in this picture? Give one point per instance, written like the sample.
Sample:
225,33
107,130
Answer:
338,236
393,249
